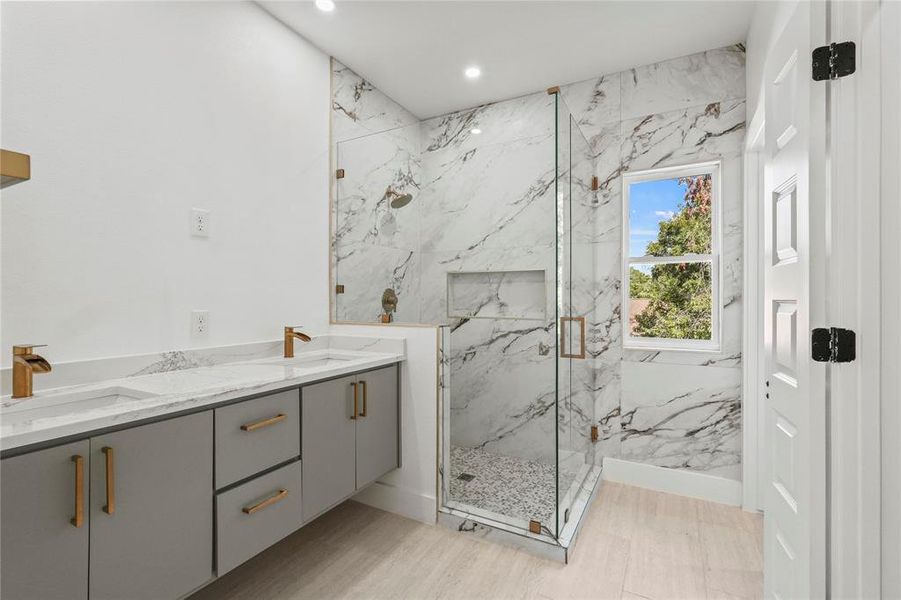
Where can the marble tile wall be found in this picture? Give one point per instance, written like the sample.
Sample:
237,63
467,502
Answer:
672,409
374,247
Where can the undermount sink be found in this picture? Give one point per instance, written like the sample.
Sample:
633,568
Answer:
53,404
312,362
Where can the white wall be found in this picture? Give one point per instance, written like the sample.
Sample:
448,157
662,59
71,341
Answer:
134,113
767,23
411,490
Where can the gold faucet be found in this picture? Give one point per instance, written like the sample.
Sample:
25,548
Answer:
290,334
25,364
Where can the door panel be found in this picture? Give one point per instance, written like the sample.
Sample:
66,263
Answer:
328,449
157,540
377,441
794,523
44,554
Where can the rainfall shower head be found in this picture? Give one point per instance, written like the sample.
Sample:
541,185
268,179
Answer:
398,200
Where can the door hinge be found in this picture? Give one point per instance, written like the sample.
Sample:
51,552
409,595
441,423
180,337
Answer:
339,288
834,61
339,174
833,345
594,433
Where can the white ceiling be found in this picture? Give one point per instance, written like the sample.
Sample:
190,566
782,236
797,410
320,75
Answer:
416,51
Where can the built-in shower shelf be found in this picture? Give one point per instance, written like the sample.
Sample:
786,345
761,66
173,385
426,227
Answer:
497,294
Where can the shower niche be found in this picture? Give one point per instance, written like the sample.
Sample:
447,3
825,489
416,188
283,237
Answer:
497,295
480,222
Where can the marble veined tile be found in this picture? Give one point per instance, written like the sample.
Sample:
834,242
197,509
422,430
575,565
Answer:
702,132
359,108
499,123
366,271
594,104
502,387
605,339
608,220
490,197
375,167
683,417
678,83
435,267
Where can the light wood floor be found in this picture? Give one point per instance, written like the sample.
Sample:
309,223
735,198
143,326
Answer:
634,544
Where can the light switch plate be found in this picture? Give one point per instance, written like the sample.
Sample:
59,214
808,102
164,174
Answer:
200,222
200,322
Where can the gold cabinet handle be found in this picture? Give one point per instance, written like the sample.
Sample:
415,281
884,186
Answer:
363,385
78,519
110,507
264,423
277,497
353,415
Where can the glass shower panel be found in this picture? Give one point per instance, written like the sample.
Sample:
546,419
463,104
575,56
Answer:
575,405
376,224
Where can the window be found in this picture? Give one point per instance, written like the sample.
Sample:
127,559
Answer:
671,268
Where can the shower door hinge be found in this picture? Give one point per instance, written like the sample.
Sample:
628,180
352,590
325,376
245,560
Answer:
594,433
834,61
535,526
339,289
595,183
833,345
339,174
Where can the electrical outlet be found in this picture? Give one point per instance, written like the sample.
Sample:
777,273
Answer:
200,322
200,222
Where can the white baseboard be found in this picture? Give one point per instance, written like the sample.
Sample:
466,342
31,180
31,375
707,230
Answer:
673,481
400,501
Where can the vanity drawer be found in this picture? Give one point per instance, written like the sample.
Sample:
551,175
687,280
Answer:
256,514
256,435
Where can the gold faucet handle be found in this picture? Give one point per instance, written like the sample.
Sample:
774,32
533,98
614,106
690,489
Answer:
293,326
22,349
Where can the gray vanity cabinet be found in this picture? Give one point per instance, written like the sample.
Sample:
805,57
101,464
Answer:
377,441
44,546
327,444
349,436
151,509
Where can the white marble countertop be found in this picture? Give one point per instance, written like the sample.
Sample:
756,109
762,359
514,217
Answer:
77,411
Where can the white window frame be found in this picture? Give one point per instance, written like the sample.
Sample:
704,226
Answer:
714,169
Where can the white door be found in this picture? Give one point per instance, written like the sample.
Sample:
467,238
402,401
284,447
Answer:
794,204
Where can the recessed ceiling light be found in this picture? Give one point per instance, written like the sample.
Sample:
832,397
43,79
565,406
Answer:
325,5
472,72
475,131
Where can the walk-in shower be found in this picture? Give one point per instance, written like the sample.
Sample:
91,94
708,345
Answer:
497,249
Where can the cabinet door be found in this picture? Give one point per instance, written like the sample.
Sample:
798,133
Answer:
44,547
152,509
377,442
327,444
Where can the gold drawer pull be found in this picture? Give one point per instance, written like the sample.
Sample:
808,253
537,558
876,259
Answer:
363,385
78,519
353,415
281,495
110,507
264,423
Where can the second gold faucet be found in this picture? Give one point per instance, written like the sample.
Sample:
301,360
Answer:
290,335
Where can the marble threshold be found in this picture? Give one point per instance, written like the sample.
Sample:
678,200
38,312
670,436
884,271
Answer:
70,412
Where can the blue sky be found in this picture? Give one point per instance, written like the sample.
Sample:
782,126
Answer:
650,203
